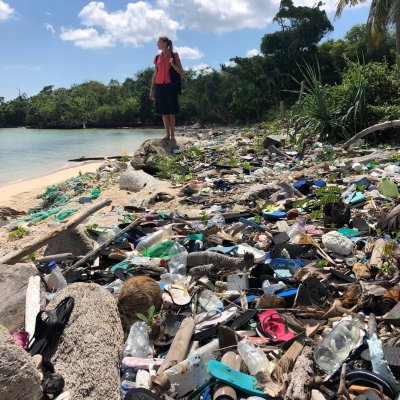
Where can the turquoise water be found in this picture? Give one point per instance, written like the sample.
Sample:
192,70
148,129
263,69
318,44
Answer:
29,153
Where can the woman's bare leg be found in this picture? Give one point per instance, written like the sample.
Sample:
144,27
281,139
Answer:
172,126
167,126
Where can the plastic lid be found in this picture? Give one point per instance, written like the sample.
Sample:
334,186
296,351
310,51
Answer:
52,264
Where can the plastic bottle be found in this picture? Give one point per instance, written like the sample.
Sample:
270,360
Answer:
218,220
55,280
154,238
209,302
338,344
178,259
138,343
255,359
267,287
144,261
128,380
295,230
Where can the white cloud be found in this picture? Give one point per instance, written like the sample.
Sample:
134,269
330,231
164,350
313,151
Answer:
222,15
34,68
49,27
252,53
188,53
229,63
6,11
139,23
201,69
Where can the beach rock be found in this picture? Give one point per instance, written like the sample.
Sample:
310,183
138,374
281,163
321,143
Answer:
337,243
272,140
135,181
19,378
88,354
13,283
74,241
137,295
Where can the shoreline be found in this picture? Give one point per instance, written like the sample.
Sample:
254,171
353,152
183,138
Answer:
32,185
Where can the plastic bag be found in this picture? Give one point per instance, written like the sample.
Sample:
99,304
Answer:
177,259
388,188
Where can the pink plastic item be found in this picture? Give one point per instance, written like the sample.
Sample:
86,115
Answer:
22,338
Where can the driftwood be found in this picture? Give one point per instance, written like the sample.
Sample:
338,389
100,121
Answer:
36,244
301,377
232,360
32,304
83,158
367,131
93,253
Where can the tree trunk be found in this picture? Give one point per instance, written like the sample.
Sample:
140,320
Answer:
398,42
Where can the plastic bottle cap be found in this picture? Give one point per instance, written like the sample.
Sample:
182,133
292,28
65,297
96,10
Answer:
52,264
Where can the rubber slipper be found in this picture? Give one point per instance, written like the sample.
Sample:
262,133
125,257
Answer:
50,325
392,355
171,326
243,319
179,294
360,224
295,251
274,326
252,224
141,394
355,198
259,255
274,215
223,249
214,318
141,363
234,378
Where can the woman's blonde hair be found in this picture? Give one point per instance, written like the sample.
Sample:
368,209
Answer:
169,43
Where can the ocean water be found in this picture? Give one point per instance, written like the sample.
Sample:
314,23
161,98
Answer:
29,153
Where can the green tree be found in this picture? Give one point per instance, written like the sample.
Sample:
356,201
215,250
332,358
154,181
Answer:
382,15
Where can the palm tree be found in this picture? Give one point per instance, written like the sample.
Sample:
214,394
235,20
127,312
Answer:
382,15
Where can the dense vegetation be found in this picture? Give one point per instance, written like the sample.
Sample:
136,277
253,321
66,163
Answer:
333,88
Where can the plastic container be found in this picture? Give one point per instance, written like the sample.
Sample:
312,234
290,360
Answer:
255,359
154,238
177,259
295,230
217,220
267,287
209,302
55,280
138,343
339,343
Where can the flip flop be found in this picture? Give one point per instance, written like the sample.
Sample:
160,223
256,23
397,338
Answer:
172,324
141,394
179,294
274,326
50,325
213,318
274,215
232,377
141,363
392,355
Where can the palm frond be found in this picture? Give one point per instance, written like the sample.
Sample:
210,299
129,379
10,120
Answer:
341,4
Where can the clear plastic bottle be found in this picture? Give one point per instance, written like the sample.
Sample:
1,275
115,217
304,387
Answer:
128,380
138,343
255,360
178,259
209,302
267,287
154,238
295,230
55,280
338,344
144,261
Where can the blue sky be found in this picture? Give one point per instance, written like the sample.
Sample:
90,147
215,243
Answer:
62,42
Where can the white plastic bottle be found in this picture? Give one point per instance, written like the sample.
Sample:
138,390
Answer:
338,344
154,238
209,302
295,230
255,360
55,280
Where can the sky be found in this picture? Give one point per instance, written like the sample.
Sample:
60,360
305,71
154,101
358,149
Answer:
65,42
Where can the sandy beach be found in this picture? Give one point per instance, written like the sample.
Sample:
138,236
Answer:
15,195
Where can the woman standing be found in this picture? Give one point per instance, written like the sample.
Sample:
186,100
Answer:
164,89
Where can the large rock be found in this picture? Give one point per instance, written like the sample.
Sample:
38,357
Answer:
337,243
19,378
88,354
13,283
135,181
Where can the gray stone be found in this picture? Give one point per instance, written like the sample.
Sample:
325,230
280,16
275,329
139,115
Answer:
89,350
13,283
19,378
272,140
135,181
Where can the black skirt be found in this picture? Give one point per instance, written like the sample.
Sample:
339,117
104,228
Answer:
166,100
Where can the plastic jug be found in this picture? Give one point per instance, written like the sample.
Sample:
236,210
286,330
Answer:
55,280
338,344
154,238
255,359
177,259
138,343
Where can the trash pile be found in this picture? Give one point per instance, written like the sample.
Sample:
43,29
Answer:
283,283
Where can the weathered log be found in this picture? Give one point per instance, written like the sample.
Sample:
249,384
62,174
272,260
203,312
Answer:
93,253
32,304
301,377
367,131
233,360
36,244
